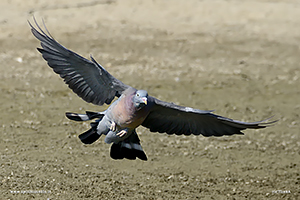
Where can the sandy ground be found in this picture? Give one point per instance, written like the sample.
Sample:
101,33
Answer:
238,57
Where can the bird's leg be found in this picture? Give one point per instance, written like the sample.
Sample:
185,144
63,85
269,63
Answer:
113,126
122,133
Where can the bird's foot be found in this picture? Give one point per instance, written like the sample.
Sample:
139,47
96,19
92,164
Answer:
113,127
122,133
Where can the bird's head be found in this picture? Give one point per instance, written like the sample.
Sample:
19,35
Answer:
140,98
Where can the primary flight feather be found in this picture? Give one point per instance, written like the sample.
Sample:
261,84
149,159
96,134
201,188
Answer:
90,81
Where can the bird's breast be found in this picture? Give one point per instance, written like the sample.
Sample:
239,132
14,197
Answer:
129,118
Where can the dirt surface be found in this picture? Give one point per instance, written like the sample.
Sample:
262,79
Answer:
238,57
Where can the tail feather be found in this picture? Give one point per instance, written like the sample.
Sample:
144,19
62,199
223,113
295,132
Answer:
129,149
84,117
89,136
93,115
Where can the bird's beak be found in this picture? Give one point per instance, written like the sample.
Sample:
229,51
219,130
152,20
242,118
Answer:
144,100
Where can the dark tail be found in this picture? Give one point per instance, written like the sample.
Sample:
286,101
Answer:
91,135
84,117
130,148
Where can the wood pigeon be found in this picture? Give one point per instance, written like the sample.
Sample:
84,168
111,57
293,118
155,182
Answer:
90,81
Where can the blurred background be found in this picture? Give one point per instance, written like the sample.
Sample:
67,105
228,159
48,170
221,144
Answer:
240,58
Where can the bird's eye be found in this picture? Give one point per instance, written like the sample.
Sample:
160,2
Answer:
138,94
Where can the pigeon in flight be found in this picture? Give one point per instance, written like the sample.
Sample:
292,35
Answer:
90,81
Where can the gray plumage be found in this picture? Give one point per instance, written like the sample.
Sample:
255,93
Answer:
90,81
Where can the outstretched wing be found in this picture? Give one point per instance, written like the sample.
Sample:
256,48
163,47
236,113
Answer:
170,118
88,79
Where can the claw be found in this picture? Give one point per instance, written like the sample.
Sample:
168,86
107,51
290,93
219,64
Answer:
122,133
113,127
